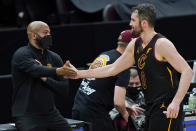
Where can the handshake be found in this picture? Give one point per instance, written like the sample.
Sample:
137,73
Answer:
67,70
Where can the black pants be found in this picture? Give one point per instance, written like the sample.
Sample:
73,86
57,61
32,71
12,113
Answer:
46,122
156,120
98,123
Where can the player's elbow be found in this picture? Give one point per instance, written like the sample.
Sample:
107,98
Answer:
191,72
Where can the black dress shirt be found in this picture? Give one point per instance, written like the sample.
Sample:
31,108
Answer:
32,96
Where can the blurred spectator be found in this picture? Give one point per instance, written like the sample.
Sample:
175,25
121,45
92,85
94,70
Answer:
134,91
65,8
22,16
31,10
110,13
69,13
134,97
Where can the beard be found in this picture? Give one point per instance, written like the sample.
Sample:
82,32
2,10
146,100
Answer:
137,31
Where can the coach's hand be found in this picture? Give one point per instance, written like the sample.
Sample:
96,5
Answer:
66,71
69,65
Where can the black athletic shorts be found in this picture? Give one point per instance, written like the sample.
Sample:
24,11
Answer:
156,120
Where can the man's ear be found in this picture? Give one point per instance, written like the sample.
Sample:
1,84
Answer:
144,23
34,35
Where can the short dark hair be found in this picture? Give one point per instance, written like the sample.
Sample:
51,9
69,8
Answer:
146,11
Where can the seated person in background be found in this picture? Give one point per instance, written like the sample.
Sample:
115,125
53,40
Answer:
134,97
134,93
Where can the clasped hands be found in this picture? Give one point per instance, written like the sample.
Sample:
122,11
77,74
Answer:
67,70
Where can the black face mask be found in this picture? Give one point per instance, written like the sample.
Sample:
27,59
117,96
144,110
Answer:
133,92
44,42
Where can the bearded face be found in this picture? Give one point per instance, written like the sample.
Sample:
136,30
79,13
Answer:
135,23
137,30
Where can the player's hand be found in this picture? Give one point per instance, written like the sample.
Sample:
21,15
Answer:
172,110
